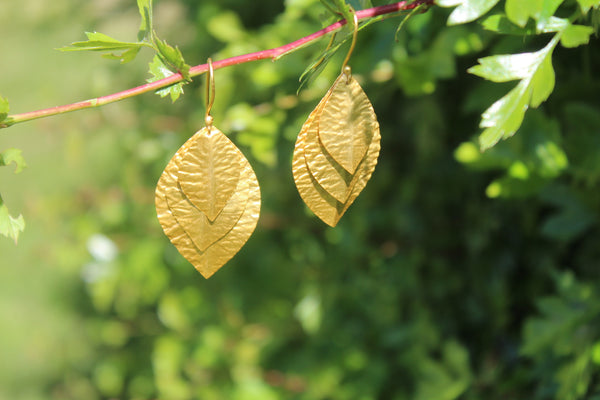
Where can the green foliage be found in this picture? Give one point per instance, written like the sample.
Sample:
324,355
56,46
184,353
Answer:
101,42
534,70
159,70
458,274
168,59
466,10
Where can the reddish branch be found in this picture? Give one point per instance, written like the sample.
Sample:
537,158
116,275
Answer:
199,69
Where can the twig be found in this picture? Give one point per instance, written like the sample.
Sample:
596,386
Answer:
200,69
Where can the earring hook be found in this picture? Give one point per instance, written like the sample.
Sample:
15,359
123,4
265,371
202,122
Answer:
345,68
210,93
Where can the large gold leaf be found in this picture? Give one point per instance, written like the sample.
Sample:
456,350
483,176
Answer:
220,238
211,186
347,123
326,186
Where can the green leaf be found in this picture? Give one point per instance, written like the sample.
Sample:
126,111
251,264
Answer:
519,11
505,68
576,35
501,24
4,108
13,156
123,57
587,4
503,118
172,57
9,226
160,71
100,42
467,10
542,82
145,32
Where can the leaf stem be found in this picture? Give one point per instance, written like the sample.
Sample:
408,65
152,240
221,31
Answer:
274,54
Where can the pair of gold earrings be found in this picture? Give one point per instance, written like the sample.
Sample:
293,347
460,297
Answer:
208,198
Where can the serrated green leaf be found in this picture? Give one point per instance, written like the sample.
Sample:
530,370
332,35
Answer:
172,58
504,117
501,24
519,11
467,10
160,71
505,68
4,108
13,156
124,57
576,35
542,82
9,226
145,32
100,42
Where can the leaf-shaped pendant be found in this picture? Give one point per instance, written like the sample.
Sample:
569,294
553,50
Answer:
208,200
336,150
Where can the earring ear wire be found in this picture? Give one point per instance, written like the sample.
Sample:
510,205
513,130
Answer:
210,93
345,68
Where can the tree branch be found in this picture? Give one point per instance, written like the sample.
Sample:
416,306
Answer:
200,69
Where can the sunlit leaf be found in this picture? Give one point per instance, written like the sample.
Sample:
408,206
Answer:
519,11
503,118
160,71
336,150
576,35
587,4
501,24
13,156
208,243
467,10
9,226
542,82
505,68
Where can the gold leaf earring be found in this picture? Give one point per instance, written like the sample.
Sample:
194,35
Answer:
208,198
337,148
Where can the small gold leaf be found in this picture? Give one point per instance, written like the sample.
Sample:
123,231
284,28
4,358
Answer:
211,186
326,171
347,123
207,244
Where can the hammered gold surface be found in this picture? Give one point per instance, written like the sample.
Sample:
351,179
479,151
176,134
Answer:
207,244
347,123
323,181
210,186
321,165
325,206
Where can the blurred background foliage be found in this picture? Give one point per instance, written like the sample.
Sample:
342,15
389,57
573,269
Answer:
456,274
